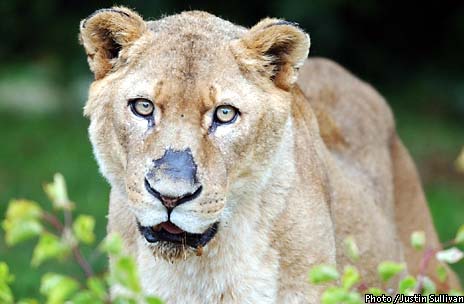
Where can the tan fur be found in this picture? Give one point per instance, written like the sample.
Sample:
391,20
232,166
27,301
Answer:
304,166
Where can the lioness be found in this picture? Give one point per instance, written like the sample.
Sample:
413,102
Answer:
236,164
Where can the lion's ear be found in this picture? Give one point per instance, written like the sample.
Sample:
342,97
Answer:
106,33
275,48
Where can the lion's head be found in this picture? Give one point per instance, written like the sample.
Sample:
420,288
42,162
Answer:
184,112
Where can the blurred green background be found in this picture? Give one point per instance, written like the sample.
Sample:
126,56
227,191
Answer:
411,51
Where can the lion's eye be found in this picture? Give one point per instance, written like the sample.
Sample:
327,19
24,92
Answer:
142,107
225,114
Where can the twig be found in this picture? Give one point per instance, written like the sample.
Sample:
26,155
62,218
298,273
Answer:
82,262
53,220
55,223
428,254
67,218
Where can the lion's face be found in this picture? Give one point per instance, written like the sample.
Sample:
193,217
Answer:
182,123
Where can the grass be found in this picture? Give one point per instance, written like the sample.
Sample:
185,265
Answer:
38,146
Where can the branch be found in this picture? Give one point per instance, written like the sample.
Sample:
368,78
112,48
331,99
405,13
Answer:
428,254
82,262
53,220
55,223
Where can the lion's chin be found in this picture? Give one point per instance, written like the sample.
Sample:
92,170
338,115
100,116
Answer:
172,252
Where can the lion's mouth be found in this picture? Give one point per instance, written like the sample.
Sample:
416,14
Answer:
168,232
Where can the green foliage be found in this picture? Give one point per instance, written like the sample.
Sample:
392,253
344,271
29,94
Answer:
49,247
58,194
351,249
418,240
112,244
6,296
450,256
97,288
352,287
428,286
57,288
83,228
441,273
56,240
350,277
337,295
407,285
323,274
459,239
389,269
63,238
125,274
375,291
22,221
153,300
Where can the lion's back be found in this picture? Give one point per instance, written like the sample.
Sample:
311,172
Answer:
356,125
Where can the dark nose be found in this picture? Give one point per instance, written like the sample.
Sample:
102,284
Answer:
173,178
177,166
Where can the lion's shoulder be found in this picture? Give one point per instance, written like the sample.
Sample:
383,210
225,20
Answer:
349,111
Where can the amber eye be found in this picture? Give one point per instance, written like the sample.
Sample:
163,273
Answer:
142,107
225,114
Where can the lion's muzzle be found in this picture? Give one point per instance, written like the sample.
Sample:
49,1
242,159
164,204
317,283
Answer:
173,181
173,178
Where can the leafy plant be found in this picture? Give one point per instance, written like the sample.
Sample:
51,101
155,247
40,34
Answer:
349,288
62,240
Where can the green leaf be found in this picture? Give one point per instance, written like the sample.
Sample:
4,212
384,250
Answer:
418,240
49,247
354,298
125,273
337,295
460,162
58,194
23,210
83,228
153,300
388,270
407,285
322,274
375,291
459,239
351,249
442,274
350,277
97,286
57,288
5,276
123,300
6,296
334,295
428,286
450,256
22,221
86,297
28,301
112,244
454,292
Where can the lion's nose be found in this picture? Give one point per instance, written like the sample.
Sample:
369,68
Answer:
171,202
173,178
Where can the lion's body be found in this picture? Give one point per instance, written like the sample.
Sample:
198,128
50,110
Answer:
323,163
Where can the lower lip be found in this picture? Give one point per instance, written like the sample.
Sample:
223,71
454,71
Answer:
159,233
